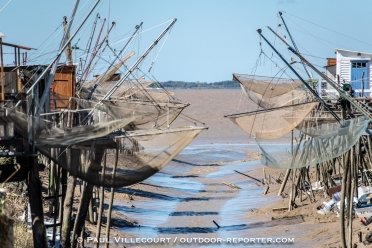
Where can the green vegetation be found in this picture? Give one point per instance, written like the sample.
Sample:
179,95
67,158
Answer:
200,85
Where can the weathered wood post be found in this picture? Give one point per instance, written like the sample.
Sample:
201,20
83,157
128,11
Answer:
6,224
87,195
101,200
343,194
111,198
37,214
73,157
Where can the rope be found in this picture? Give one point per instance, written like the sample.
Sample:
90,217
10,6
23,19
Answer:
329,29
5,5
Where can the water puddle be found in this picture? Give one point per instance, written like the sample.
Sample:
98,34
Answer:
192,213
151,214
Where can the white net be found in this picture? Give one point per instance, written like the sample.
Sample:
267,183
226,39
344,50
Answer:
292,97
329,141
274,123
267,86
154,94
126,90
163,113
272,92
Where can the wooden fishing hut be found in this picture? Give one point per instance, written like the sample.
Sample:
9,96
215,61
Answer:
23,163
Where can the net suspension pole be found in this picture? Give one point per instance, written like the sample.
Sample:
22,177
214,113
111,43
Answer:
294,44
46,91
134,66
135,33
331,82
302,80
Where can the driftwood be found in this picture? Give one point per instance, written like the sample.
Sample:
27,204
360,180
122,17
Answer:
250,177
232,185
218,226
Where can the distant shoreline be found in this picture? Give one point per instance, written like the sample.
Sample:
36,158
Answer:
200,85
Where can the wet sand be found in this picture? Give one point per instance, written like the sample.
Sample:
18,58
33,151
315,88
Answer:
190,196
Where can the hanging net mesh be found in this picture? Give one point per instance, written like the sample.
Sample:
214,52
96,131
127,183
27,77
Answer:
317,122
92,141
127,89
329,141
274,123
124,158
147,114
154,94
163,113
267,86
295,96
272,92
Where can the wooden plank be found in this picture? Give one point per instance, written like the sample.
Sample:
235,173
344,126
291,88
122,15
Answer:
18,46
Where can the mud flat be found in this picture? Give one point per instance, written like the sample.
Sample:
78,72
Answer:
200,189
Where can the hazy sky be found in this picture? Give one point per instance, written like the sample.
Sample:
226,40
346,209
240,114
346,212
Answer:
210,40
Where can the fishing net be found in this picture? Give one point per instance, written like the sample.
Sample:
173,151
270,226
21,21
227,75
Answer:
329,141
318,121
127,89
295,96
267,86
160,115
153,94
164,113
273,123
91,143
55,133
124,159
271,92
112,70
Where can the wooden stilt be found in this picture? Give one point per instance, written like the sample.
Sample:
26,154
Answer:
288,172
292,197
90,208
38,230
311,196
56,204
111,199
73,156
52,180
350,185
85,199
81,214
343,195
101,200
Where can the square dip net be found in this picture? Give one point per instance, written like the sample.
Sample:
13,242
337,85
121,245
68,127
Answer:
272,92
271,124
328,141
95,141
283,106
